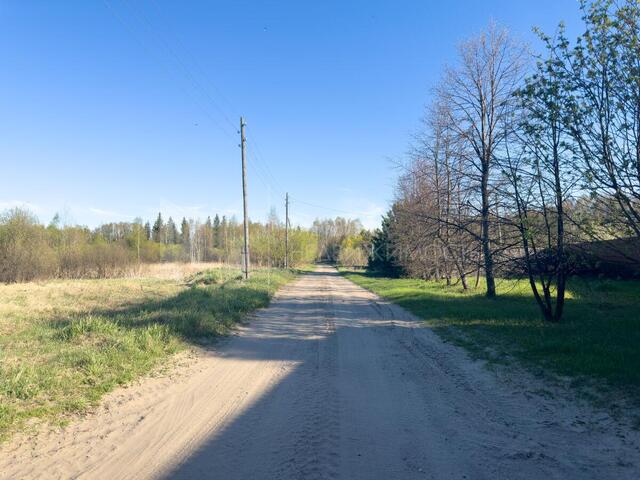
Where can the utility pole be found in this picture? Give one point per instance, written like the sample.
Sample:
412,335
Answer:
244,201
286,231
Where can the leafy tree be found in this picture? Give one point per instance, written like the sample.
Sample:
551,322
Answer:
207,237
602,72
541,179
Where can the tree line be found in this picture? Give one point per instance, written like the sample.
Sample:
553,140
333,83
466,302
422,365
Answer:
30,250
521,155
342,240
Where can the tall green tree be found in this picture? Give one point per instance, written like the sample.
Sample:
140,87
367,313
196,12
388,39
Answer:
217,232
158,229
542,179
602,72
381,258
172,231
185,232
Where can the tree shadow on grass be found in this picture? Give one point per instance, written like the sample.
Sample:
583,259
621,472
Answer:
195,314
301,428
597,337
291,430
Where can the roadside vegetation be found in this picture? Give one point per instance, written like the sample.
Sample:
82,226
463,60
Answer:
527,166
65,343
30,250
515,229
343,241
597,339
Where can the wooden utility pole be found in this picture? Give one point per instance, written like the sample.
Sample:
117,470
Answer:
244,201
286,231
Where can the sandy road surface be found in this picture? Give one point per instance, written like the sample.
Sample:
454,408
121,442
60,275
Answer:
331,382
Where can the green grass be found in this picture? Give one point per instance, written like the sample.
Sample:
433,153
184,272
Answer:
64,344
598,339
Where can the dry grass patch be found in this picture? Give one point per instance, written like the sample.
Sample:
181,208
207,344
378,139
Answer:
65,343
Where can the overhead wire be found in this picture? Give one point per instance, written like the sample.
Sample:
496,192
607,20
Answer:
183,65
259,157
261,167
118,16
269,177
254,155
346,212
202,71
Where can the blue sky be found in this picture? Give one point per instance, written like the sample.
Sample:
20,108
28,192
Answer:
120,108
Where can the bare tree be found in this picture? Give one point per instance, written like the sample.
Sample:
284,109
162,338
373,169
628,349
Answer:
479,92
434,229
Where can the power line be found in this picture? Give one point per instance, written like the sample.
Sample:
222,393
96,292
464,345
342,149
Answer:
235,113
258,155
151,54
363,214
183,65
262,169
257,173
253,155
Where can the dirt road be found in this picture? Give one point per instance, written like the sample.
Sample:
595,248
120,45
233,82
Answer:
331,382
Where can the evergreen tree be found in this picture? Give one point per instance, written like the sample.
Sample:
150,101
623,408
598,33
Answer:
158,228
184,232
208,240
147,231
381,258
172,231
55,221
217,232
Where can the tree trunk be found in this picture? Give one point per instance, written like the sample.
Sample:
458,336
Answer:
486,236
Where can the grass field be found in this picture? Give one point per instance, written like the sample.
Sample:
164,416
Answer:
598,339
63,344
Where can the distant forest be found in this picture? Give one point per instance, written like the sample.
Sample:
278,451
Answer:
30,250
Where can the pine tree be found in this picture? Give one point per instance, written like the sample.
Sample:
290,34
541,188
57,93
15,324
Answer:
381,257
55,221
184,233
158,228
208,239
147,231
217,232
172,231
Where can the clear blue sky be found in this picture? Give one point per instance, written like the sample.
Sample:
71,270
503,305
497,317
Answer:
117,109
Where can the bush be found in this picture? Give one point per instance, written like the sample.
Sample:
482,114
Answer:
352,257
29,251
25,253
